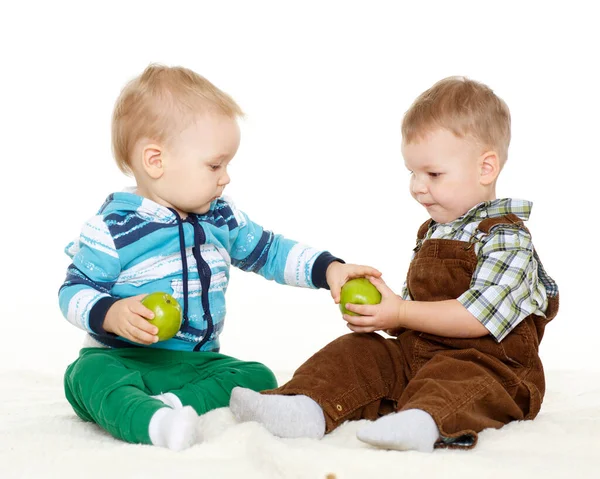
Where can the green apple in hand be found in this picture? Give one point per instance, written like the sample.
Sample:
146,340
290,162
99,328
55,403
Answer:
167,314
358,291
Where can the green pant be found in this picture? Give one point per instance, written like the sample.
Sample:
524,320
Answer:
112,387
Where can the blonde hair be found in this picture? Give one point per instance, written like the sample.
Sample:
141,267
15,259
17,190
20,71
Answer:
159,103
464,107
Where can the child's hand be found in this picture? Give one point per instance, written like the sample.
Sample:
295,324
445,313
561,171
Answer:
338,273
383,316
126,318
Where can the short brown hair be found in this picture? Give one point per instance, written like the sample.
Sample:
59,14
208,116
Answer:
158,103
464,107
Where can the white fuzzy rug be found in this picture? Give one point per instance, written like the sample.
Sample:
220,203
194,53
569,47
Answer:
40,437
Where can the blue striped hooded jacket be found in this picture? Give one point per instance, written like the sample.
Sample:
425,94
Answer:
134,245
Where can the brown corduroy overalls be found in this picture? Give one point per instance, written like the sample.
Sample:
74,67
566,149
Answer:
466,385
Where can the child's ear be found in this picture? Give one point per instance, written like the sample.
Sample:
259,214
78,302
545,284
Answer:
152,161
490,167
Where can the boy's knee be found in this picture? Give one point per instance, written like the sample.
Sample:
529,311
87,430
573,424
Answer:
77,381
259,377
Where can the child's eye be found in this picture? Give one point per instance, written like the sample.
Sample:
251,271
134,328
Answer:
434,175
215,167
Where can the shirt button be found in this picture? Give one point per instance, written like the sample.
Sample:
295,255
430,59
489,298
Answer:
339,407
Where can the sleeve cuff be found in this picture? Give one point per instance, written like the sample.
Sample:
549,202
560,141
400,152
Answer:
98,313
319,278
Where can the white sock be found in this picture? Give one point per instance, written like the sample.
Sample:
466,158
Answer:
169,399
283,416
173,428
412,429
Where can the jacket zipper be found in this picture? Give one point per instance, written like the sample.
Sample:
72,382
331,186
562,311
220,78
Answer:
204,274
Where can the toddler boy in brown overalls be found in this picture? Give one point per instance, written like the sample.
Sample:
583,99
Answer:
467,326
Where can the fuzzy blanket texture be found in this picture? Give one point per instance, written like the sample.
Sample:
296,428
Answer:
40,437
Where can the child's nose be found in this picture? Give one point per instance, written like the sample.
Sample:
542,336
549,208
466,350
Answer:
225,179
417,185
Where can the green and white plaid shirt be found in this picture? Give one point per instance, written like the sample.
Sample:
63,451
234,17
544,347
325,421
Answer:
509,282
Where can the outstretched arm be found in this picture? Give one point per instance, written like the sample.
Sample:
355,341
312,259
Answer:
284,260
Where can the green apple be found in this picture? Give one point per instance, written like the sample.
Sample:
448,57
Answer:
167,314
358,291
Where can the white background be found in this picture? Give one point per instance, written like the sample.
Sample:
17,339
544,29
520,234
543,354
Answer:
324,86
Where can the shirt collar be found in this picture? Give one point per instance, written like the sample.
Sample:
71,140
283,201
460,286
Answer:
493,209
